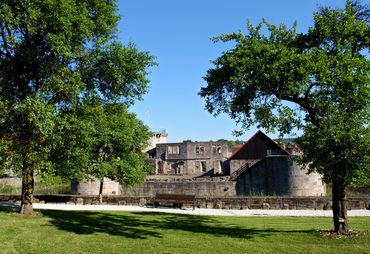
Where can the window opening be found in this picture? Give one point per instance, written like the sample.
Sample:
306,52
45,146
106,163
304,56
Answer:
173,149
203,166
199,149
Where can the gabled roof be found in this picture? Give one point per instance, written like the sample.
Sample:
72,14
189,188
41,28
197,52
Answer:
263,137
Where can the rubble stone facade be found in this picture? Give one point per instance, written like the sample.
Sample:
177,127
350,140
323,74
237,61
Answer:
192,158
209,169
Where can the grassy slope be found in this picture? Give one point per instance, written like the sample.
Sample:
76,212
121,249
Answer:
124,232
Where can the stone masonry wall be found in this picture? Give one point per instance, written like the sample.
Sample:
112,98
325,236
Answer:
292,203
205,188
92,187
279,176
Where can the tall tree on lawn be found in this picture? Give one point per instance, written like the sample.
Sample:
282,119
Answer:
317,82
56,55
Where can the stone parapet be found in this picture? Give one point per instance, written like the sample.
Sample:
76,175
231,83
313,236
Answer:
260,202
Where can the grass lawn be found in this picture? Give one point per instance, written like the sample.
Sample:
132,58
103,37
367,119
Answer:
137,232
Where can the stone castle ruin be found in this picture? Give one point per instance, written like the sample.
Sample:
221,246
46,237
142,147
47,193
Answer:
260,167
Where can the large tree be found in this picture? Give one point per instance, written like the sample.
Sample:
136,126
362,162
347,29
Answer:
55,54
100,140
317,81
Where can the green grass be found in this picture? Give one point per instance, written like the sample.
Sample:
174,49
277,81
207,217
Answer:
44,189
138,232
40,189
10,189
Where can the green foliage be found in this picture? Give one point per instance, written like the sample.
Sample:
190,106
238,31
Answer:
317,82
340,151
233,143
101,141
39,188
55,55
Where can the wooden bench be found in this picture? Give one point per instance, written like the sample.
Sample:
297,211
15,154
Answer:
175,200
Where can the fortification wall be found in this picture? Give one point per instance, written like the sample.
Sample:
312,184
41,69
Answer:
278,175
201,188
316,203
289,178
273,176
92,187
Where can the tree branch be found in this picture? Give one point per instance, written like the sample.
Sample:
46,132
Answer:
304,103
6,46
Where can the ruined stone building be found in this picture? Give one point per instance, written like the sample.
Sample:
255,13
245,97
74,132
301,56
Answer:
263,167
192,158
158,137
259,167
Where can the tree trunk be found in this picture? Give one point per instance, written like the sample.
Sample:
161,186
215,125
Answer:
339,207
27,191
101,191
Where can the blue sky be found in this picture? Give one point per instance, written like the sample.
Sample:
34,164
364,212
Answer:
177,33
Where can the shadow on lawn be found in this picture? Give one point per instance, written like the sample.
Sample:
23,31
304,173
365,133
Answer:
141,225
88,222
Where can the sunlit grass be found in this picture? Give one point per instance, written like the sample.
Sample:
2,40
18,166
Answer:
138,232
53,185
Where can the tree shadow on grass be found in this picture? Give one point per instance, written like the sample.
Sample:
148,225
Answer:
88,222
214,226
143,225
8,208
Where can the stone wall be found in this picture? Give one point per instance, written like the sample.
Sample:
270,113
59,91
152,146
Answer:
92,187
192,158
288,178
210,187
293,203
158,137
202,187
279,175
236,164
273,176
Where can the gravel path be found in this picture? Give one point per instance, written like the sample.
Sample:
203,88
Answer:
197,211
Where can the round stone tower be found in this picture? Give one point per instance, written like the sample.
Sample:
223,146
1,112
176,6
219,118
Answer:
285,177
92,187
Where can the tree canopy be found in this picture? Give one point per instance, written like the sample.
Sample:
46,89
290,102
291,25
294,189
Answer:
316,81
54,55
100,141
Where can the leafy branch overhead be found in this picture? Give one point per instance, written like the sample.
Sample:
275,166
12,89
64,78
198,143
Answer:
318,82
64,49
314,72
56,56
103,141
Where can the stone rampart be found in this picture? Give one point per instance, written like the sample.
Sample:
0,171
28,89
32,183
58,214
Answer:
92,186
279,176
199,188
263,202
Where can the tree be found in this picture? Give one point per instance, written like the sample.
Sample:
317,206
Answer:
100,141
317,82
55,55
